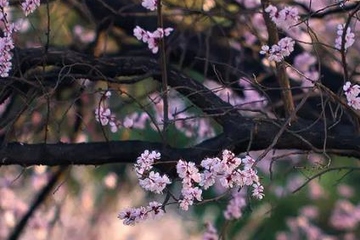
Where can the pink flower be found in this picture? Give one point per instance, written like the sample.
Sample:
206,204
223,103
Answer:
185,203
210,233
285,18
207,179
188,171
136,215
149,4
152,38
102,115
234,207
155,182
349,37
352,95
133,215
279,51
29,6
141,34
145,161
189,195
155,209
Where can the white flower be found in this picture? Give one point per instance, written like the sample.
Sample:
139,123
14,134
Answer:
258,191
347,86
265,49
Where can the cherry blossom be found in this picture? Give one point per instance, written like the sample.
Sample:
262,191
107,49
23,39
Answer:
141,34
352,95
154,182
210,232
189,195
188,171
6,42
145,162
152,38
230,170
279,51
285,18
305,70
349,37
258,191
133,215
155,209
102,115
136,215
150,4
29,6
234,207
150,180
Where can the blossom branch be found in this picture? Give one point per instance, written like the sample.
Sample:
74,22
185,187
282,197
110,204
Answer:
282,76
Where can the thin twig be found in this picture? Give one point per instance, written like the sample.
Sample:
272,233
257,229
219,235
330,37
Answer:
163,73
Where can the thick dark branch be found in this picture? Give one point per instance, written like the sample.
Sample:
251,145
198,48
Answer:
73,63
341,140
303,135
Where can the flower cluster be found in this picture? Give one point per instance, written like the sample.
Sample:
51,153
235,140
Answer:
29,6
235,206
150,180
349,37
152,38
230,170
6,42
190,176
104,116
135,215
6,45
345,216
351,93
285,18
279,51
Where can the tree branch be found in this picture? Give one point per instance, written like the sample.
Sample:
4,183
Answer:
341,140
